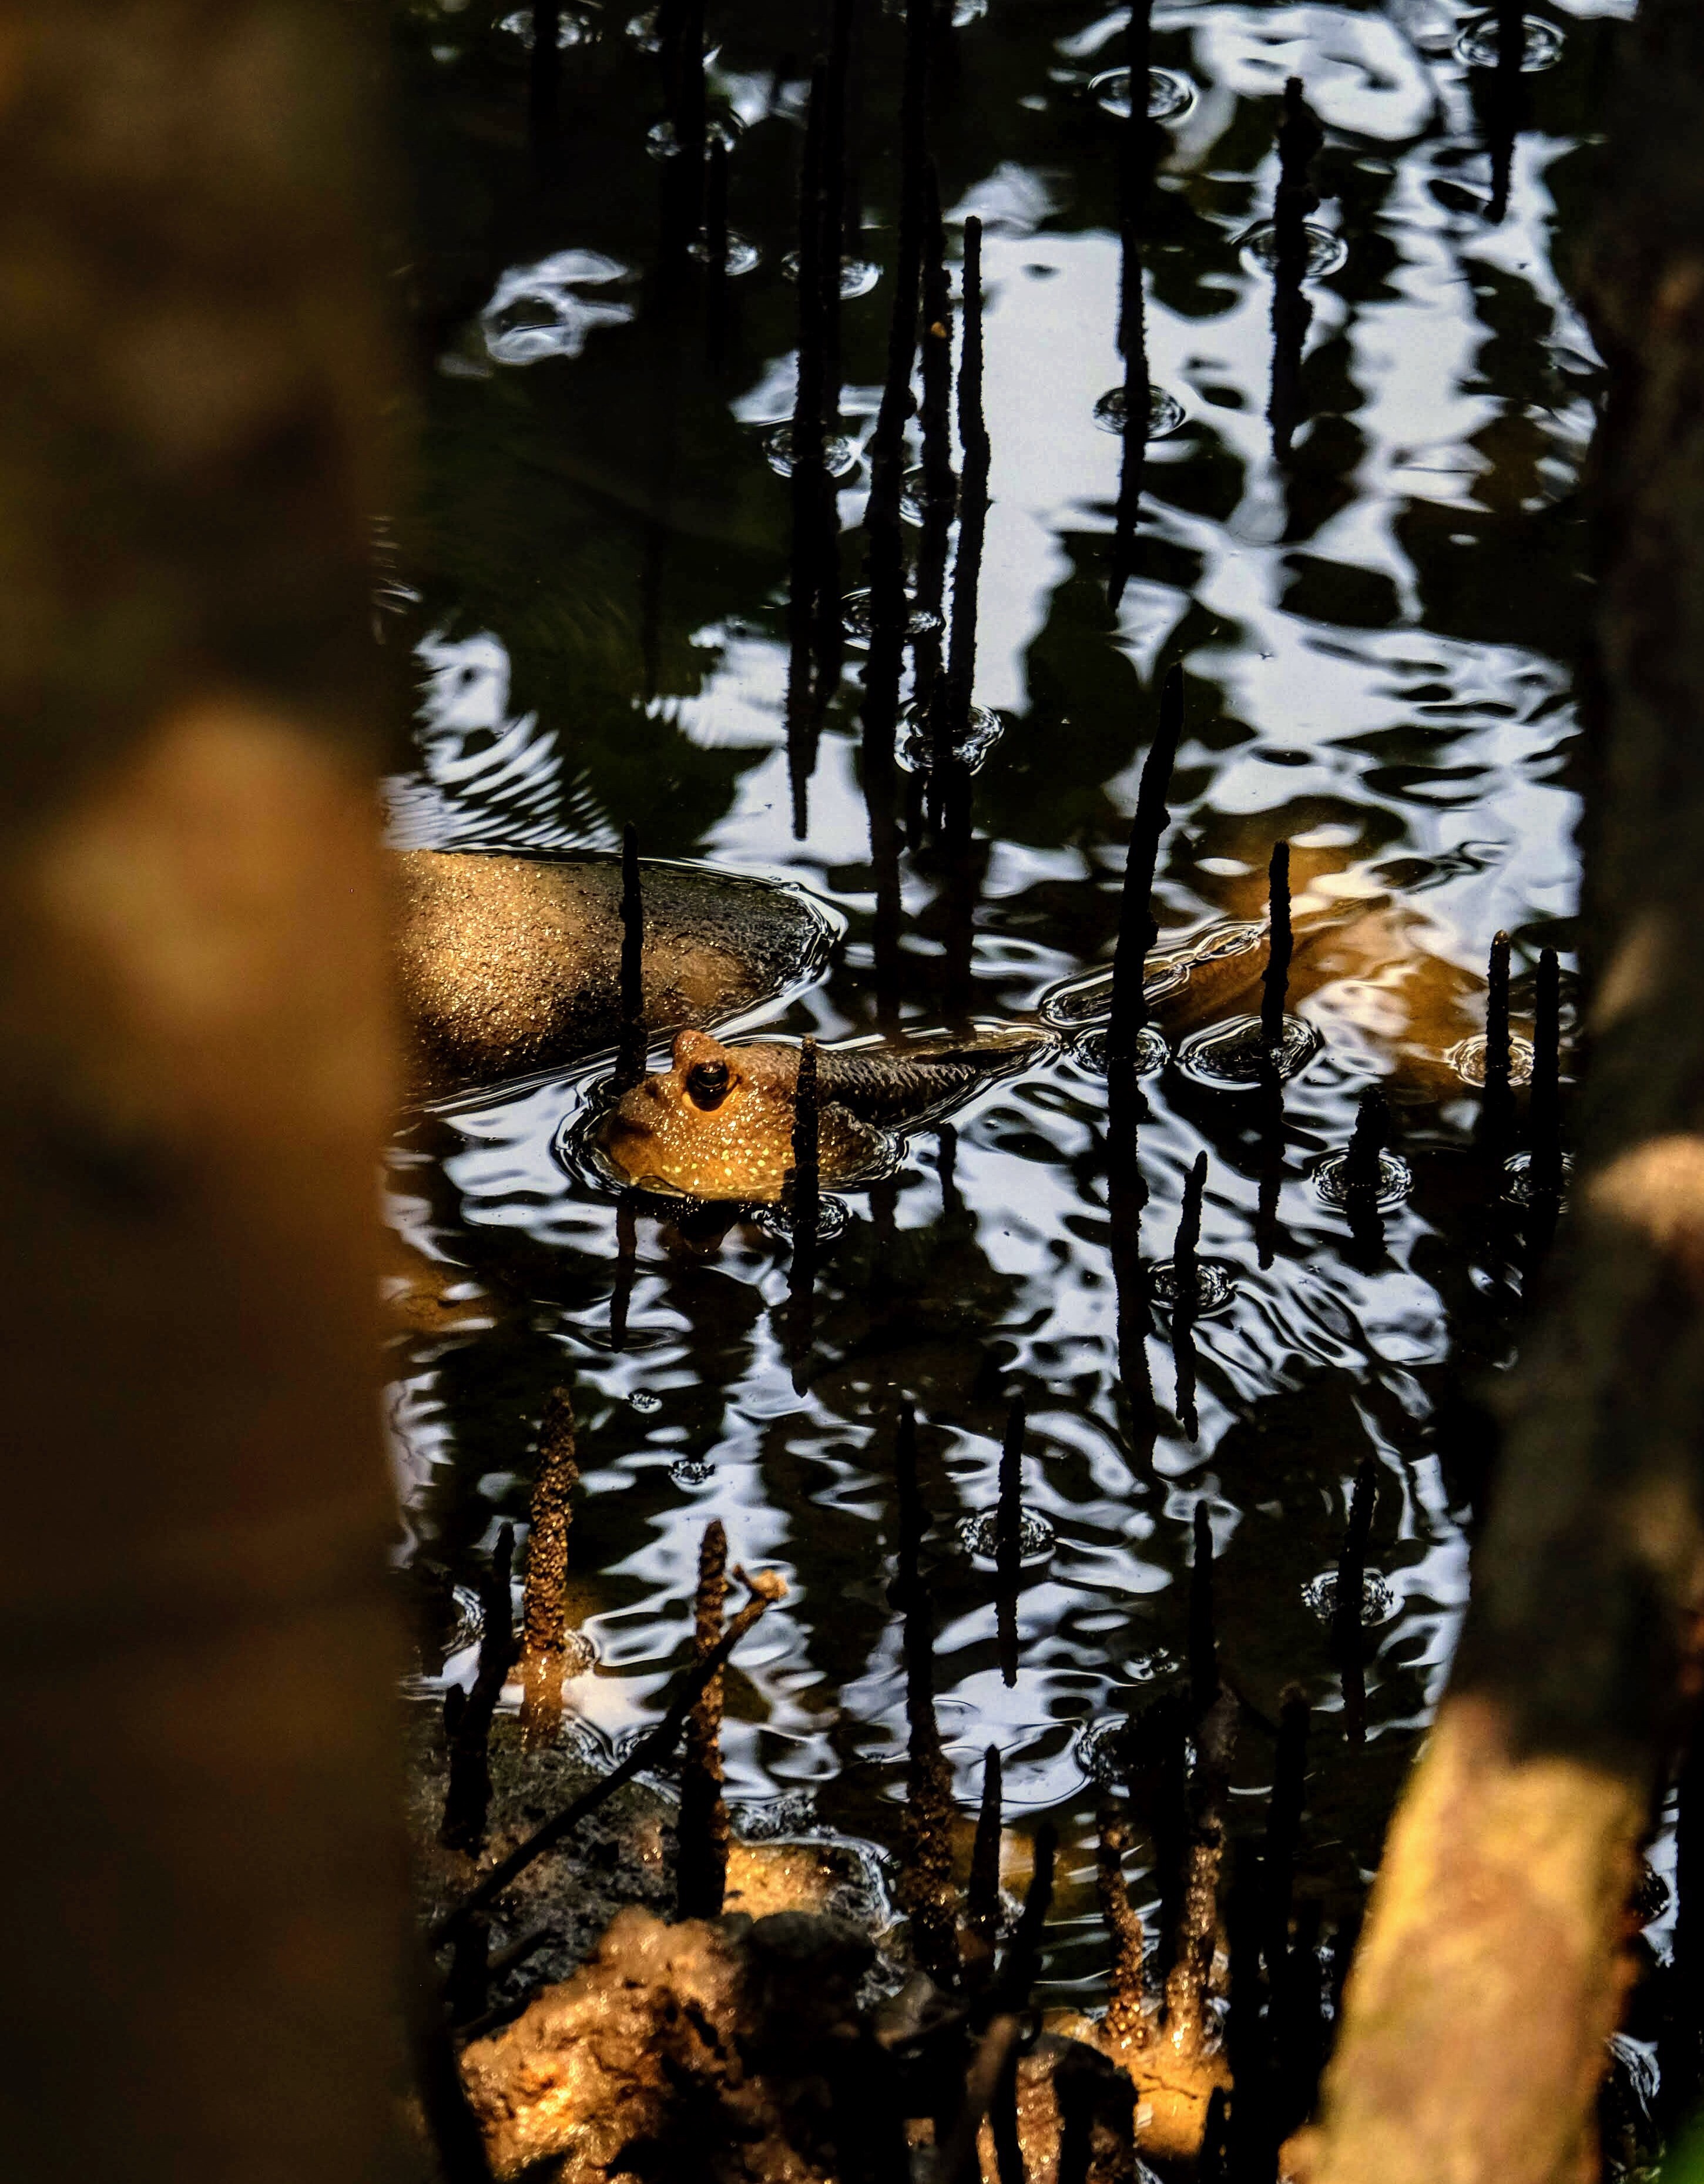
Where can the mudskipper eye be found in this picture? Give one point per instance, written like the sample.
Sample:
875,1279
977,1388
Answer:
707,1085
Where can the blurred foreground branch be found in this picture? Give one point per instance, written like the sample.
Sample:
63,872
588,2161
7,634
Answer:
203,1911
1489,1979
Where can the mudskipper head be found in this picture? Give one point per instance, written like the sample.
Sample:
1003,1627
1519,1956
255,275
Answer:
716,1123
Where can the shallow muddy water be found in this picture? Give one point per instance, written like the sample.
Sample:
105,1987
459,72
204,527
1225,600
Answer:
1378,636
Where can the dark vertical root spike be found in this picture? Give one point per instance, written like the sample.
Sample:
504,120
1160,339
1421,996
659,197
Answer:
1125,2021
1275,984
630,1053
1348,1642
804,1193
982,1895
1545,1114
715,256
885,558
467,1793
626,1266
909,1503
951,783
1204,1658
543,85
811,489
940,493
701,1877
1283,1826
926,1891
1498,1058
1300,138
1136,142
1137,929
1009,1539
1186,1280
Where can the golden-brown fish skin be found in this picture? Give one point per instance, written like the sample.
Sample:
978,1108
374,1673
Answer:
718,1123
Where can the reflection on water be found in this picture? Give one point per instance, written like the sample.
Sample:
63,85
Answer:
1378,636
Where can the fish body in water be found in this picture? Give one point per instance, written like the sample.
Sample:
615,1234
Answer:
718,1123
1369,966
510,966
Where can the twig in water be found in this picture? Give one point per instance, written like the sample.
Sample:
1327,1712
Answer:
766,1587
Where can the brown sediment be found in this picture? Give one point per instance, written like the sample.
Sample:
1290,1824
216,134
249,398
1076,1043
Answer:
544,1646
625,1853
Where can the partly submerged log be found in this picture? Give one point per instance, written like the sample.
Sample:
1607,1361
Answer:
510,966
1488,1976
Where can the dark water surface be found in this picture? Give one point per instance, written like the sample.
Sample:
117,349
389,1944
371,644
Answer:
1378,637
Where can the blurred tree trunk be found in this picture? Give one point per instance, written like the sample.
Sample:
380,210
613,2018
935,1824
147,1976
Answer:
1488,1978
202,1901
